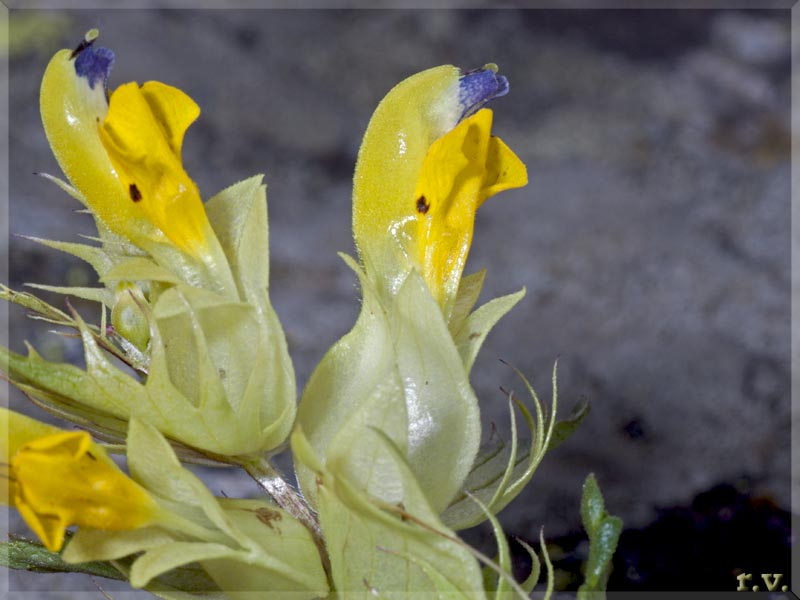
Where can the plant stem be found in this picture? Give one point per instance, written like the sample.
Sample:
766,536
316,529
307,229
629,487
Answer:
284,495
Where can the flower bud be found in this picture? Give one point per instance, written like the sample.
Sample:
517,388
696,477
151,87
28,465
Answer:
128,317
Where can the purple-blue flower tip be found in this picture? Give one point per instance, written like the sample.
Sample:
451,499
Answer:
477,87
92,62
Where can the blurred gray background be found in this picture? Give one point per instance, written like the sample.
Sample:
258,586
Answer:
653,239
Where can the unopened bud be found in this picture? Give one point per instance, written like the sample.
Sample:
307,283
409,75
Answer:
128,317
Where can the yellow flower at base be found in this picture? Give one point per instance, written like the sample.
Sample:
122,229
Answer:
460,171
64,479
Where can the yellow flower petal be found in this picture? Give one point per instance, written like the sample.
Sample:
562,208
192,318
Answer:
461,170
124,159
63,478
142,133
16,430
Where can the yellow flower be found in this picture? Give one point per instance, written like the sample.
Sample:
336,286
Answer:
461,170
427,162
123,155
62,478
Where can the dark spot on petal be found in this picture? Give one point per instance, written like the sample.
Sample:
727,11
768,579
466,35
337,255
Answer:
136,195
92,456
422,205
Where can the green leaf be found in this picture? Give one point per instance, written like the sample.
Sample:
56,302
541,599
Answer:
565,428
592,505
287,557
153,463
169,556
22,554
536,567
228,356
603,531
355,380
99,545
